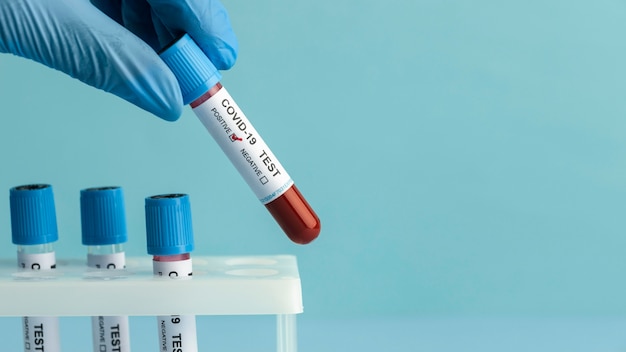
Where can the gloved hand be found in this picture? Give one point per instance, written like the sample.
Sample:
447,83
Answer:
113,44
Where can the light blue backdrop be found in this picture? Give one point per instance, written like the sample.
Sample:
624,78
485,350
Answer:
465,157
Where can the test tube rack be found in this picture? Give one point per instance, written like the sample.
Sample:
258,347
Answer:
221,285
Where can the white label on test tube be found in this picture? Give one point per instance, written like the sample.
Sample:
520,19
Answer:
177,269
36,261
244,147
107,261
41,334
110,333
177,333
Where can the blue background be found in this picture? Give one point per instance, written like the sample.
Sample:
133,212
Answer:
465,158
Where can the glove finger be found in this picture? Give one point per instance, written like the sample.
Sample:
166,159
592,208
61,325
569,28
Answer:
76,38
111,8
165,35
137,17
206,21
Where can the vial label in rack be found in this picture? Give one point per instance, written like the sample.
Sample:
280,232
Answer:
177,333
36,261
41,334
244,147
107,261
112,333
178,269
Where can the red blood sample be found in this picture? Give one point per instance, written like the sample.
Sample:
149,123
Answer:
291,211
295,216
171,258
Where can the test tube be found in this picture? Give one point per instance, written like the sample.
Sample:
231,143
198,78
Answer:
103,223
34,229
233,132
170,240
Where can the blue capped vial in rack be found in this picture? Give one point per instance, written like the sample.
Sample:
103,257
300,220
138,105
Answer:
34,229
103,224
170,240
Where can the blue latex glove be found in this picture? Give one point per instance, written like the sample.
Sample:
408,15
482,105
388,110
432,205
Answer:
112,45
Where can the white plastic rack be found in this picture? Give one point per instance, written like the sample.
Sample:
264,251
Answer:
244,285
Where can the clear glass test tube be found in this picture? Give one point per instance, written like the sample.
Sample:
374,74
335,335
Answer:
239,140
34,229
170,241
103,224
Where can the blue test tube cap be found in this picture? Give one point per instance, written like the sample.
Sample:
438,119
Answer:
103,216
168,224
33,215
195,73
